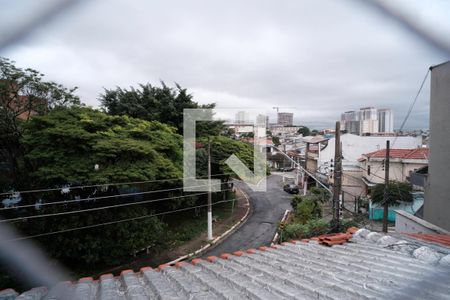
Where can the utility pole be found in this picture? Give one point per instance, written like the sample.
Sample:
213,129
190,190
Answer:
337,183
305,176
210,234
386,188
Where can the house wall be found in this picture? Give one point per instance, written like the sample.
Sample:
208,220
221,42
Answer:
311,163
352,186
437,189
398,170
354,146
408,223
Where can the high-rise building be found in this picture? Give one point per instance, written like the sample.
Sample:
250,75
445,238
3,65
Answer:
241,117
368,113
262,120
369,120
350,122
350,116
285,119
385,120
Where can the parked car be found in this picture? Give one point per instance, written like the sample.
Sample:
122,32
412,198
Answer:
291,189
286,169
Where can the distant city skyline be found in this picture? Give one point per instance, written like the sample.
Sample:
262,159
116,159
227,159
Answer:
230,54
368,120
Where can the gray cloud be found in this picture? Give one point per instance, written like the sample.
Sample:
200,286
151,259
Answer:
319,58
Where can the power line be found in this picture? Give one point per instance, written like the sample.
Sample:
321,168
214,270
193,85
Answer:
304,170
412,105
114,222
95,198
408,113
98,208
104,184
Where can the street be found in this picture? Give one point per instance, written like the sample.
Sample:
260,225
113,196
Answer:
268,208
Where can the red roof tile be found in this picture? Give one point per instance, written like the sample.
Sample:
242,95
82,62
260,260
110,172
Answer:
443,239
417,153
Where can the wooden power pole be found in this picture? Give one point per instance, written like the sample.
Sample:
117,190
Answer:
305,175
386,188
210,234
337,183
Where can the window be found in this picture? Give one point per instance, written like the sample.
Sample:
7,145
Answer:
368,170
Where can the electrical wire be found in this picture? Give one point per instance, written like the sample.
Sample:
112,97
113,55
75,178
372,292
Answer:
408,114
113,222
98,208
412,105
105,184
95,198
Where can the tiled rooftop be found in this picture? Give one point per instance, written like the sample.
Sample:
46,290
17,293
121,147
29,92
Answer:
417,153
442,239
369,266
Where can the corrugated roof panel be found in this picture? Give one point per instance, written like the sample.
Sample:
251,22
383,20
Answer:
370,266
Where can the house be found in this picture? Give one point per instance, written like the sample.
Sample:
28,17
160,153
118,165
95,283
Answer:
401,164
419,178
353,146
370,266
321,155
321,158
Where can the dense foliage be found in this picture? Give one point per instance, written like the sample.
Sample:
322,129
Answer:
48,140
23,94
153,103
304,131
63,147
78,145
306,208
306,219
398,191
312,228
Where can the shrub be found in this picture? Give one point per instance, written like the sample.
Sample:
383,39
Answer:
317,227
306,210
292,231
296,200
300,231
320,194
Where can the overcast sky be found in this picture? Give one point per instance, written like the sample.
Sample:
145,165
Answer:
314,58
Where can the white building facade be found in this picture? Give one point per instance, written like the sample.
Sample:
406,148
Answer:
385,120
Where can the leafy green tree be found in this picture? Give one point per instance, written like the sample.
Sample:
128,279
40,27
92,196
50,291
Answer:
398,191
230,132
306,208
311,228
248,135
23,94
320,194
221,149
153,103
276,141
304,131
62,148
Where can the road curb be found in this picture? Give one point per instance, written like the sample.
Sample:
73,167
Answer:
220,238
277,235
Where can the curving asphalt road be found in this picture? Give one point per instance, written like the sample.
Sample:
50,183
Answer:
268,209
